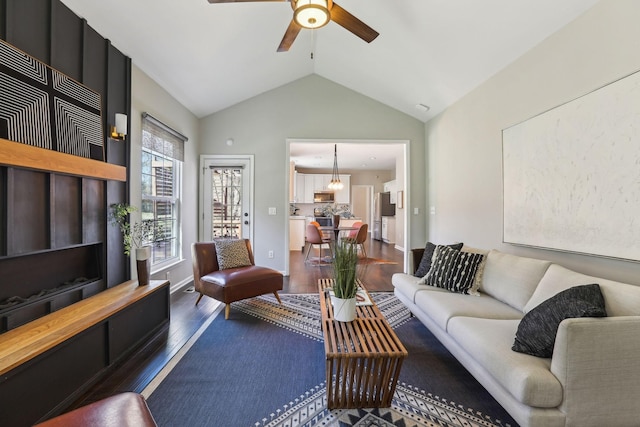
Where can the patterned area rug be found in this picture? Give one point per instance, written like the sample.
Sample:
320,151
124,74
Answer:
411,406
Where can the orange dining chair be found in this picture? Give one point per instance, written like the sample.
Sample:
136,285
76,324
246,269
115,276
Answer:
326,235
313,236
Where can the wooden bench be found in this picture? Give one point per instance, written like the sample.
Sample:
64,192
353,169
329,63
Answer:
55,358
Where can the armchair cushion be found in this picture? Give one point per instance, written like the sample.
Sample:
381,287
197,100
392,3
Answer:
232,253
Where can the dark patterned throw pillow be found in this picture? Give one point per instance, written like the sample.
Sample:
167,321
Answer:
425,262
232,253
536,334
453,270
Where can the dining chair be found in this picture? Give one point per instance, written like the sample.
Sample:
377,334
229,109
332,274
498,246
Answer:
326,235
314,236
353,233
360,238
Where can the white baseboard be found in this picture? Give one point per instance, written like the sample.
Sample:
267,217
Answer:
175,287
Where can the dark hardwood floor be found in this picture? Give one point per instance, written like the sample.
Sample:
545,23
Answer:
140,368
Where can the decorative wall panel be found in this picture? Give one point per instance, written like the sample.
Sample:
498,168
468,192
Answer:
42,107
572,175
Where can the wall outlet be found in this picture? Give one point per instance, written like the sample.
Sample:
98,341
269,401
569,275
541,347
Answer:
168,274
270,254
432,210
416,211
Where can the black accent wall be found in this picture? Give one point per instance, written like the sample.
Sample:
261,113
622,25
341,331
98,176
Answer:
50,222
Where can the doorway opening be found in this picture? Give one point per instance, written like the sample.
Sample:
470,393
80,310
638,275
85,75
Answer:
348,150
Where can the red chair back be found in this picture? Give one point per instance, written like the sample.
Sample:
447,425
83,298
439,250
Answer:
354,233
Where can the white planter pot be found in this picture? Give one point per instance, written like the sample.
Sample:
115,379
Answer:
344,310
143,254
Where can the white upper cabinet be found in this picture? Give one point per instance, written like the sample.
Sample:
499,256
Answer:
309,183
343,196
391,188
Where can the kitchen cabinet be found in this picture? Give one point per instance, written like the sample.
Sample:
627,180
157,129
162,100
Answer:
297,227
388,229
343,196
321,182
309,188
391,188
299,189
309,183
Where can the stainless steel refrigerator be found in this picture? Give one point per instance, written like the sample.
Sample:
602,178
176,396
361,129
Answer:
382,206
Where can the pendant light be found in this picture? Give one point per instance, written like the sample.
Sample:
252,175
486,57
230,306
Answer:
335,183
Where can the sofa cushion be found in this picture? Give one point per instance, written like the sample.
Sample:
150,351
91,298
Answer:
537,330
621,299
427,255
442,306
512,279
454,270
409,285
232,253
527,378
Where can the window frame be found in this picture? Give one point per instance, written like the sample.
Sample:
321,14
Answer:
159,259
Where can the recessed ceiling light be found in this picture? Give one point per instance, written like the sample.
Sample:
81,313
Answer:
422,107
372,158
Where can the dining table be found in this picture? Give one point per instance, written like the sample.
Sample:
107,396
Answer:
337,230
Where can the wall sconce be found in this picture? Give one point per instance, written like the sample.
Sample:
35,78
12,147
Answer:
119,131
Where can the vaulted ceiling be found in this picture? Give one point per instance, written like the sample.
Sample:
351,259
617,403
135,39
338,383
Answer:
430,52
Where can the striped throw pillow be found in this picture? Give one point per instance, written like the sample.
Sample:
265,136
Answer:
454,270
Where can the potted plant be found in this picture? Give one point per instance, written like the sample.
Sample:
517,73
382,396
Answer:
345,286
336,212
137,236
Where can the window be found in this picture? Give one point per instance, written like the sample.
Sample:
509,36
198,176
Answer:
162,157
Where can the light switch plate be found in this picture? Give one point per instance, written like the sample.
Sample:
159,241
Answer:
272,211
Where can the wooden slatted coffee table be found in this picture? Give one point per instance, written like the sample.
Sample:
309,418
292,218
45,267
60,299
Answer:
364,357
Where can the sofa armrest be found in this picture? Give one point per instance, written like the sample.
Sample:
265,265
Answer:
597,362
416,257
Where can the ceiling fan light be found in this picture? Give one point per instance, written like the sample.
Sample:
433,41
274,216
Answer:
311,13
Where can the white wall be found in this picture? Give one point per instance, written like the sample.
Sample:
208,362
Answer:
465,145
309,108
148,96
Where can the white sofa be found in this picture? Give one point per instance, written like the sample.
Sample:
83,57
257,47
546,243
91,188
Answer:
593,377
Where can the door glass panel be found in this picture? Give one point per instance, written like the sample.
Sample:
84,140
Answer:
226,202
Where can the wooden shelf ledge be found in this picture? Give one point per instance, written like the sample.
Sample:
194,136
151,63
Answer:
26,156
28,341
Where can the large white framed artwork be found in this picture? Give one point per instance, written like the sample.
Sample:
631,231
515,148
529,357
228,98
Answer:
571,175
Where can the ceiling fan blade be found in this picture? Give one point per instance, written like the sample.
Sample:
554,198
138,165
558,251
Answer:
289,36
353,24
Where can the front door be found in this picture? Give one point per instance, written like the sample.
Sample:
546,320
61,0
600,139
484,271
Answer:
226,198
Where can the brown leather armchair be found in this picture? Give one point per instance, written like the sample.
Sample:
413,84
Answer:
232,284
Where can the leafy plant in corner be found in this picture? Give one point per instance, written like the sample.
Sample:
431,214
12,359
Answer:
344,270
136,234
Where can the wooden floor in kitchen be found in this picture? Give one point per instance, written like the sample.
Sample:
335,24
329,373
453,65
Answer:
139,369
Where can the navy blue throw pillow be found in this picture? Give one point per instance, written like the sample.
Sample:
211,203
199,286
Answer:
425,262
537,330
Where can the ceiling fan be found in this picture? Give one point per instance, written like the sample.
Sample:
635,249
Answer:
315,14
